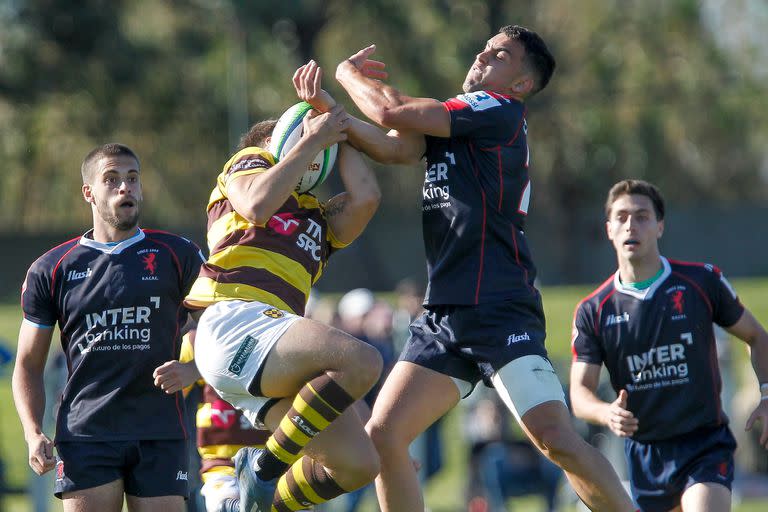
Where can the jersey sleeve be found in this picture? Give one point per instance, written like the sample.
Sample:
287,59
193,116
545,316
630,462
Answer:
585,342
37,303
193,259
480,115
726,306
245,163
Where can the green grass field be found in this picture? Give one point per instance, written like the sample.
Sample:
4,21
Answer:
445,492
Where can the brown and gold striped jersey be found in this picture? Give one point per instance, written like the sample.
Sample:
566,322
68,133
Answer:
276,263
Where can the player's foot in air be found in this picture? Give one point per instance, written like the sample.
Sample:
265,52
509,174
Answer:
256,495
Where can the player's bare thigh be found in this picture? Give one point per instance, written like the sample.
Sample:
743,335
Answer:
709,496
308,347
102,498
156,504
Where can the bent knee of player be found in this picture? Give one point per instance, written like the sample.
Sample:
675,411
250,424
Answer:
363,369
389,438
357,470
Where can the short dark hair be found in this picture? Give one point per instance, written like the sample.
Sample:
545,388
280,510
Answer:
88,169
636,187
257,135
537,56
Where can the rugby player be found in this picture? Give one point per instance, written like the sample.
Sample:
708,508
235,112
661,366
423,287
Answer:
484,319
268,245
650,324
116,293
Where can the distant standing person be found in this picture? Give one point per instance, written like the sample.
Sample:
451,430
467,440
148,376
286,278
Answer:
650,324
484,318
116,293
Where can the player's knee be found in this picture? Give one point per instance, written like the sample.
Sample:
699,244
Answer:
558,443
364,370
386,437
357,470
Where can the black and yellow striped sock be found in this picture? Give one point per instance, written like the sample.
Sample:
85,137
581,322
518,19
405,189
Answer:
317,404
305,484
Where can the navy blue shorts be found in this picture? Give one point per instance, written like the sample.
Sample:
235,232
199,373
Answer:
147,468
473,342
660,471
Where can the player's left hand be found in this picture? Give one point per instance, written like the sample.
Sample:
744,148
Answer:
307,80
760,413
173,376
370,68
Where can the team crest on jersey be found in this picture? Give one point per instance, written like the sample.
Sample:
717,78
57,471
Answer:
677,302
149,262
479,100
274,313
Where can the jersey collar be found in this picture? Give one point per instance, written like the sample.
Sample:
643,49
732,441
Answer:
648,292
108,248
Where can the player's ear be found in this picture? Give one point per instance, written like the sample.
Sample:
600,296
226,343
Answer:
87,193
523,86
608,230
661,229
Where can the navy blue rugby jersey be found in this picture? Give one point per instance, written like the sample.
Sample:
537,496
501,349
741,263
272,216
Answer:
659,345
119,309
475,199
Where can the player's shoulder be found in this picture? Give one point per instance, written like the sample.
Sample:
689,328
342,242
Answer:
171,239
479,101
695,270
249,158
49,260
592,302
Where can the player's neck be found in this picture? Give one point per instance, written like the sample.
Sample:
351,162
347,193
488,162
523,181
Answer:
632,272
107,234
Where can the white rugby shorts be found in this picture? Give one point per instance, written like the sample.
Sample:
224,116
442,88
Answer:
232,342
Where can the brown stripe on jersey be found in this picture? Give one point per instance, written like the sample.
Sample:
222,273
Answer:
318,405
217,210
322,483
213,436
286,443
332,393
247,162
293,485
208,464
258,278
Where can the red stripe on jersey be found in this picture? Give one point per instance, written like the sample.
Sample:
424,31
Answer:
599,310
695,264
56,267
482,235
519,127
597,290
455,104
698,289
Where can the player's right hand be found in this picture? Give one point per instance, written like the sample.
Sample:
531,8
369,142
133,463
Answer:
621,421
328,128
360,61
307,80
41,458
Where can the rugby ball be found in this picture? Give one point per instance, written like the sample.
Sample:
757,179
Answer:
286,135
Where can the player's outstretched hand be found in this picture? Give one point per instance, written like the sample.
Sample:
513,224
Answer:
760,413
173,376
307,80
41,458
360,61
621,421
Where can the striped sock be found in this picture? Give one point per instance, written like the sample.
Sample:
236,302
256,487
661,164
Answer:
317,404
304,485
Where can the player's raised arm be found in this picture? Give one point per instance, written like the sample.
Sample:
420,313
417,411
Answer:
384,104
29,393
349,212
258,196
388,148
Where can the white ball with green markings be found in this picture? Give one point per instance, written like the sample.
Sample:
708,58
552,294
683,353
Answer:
286,135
